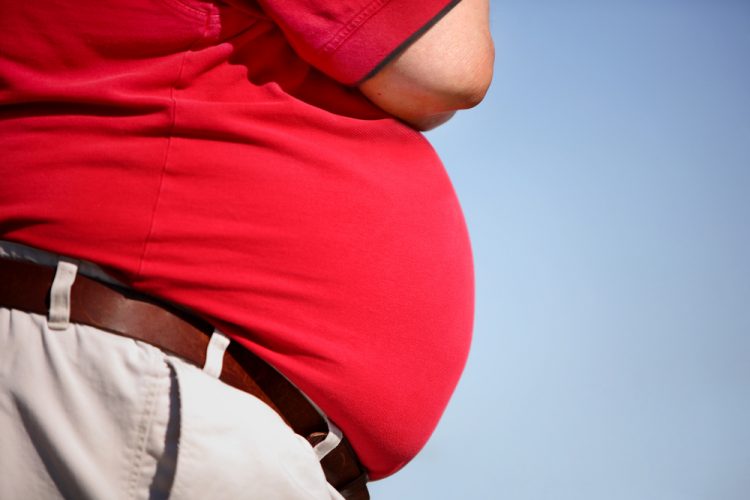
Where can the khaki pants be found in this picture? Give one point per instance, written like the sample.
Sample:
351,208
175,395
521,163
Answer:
88,414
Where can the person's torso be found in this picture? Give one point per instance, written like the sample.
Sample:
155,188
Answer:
183,146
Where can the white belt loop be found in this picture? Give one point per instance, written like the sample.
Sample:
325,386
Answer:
59,303
215,353
331,441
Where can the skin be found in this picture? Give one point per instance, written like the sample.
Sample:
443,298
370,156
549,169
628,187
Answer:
446,69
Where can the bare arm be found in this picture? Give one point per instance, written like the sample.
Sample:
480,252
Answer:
446,69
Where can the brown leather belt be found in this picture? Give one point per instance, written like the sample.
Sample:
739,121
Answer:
25,286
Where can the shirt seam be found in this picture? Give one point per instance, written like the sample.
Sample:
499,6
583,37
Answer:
353,25
167,149
189,9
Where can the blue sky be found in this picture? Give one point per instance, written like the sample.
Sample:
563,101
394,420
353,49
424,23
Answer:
606,184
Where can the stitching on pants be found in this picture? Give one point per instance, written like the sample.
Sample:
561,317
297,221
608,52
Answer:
143,429
166,464
184,453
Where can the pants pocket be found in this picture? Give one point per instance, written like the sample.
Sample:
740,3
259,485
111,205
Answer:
232,445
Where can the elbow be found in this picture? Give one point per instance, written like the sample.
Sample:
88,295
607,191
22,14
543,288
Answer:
471,80
424,89
470,94
481,83
464,90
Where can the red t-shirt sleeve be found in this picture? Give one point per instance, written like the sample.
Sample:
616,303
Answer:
350,40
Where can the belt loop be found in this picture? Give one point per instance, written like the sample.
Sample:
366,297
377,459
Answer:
331,441
215,353
59,295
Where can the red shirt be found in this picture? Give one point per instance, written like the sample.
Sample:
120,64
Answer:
209,154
